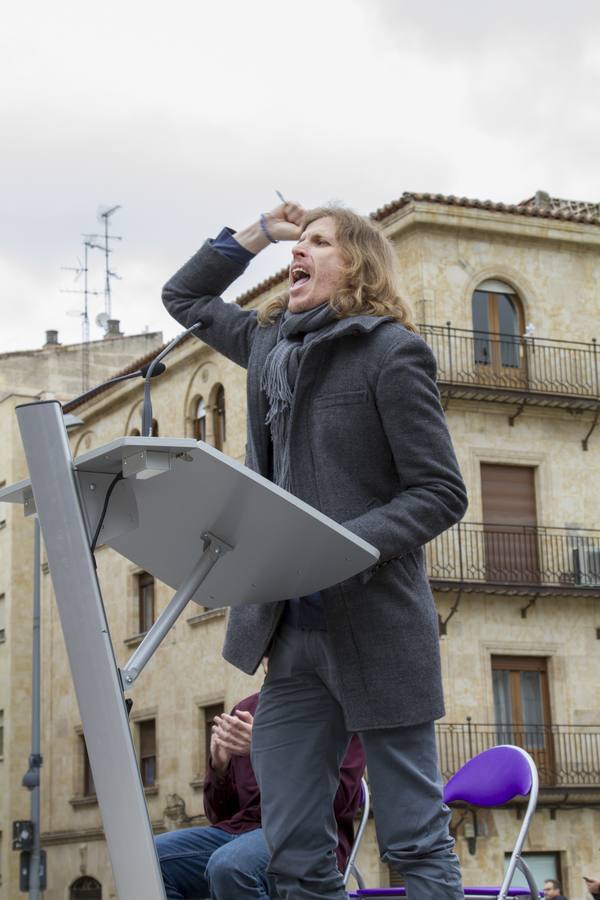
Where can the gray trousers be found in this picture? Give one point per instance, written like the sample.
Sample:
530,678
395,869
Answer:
298,742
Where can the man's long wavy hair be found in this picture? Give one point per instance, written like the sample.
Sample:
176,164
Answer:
371,286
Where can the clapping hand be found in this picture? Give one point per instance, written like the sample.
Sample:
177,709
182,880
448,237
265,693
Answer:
231,736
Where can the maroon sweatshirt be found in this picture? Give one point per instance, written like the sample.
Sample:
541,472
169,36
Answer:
232,801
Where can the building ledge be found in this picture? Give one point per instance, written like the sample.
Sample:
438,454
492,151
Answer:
135,639
77,835
499,589
207,616
79,801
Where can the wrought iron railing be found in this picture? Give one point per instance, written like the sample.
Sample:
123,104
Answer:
514,362
516,554
565,755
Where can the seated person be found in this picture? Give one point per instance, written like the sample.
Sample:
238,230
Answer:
229,858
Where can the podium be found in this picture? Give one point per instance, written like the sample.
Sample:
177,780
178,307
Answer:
209,527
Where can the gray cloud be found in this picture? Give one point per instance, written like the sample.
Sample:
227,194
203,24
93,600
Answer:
192,117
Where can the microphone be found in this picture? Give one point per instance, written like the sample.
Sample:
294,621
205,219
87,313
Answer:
139,373
204,322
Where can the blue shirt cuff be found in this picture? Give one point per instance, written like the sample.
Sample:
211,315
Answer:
226,244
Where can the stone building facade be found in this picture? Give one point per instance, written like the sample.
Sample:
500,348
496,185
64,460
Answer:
507,297
54,370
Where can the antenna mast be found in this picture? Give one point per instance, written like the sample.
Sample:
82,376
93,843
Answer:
103,215
82,269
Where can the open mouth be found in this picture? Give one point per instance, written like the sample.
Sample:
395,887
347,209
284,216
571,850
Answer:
298,277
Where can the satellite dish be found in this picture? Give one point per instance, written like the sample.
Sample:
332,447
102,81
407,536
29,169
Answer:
105,211
102,320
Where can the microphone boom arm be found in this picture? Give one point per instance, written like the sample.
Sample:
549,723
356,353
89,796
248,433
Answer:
147,407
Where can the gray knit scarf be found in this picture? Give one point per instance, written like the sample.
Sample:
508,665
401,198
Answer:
279,375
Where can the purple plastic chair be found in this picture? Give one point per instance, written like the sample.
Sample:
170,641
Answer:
491,778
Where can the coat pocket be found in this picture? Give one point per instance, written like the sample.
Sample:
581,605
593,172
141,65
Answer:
343,398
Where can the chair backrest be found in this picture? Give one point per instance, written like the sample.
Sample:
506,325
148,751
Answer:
351,867
493,777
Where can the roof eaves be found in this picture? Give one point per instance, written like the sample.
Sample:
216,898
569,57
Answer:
518,209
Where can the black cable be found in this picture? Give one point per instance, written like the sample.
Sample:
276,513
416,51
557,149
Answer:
104,508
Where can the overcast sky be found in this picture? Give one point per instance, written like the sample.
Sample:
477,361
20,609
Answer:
190,114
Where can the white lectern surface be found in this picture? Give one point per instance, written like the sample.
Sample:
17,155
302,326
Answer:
281,546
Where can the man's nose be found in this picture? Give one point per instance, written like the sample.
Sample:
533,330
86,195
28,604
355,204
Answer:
298,251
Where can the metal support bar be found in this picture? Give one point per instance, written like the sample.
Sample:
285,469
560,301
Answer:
443,623
584,442
87,639
512,419
31,779
214,550
529,605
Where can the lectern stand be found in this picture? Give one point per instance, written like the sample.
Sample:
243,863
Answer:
216,532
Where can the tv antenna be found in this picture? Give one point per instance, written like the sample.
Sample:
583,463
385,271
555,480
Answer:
101,242
82,269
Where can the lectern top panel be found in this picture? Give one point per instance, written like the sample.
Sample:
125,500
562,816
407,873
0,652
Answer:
182,489
282,547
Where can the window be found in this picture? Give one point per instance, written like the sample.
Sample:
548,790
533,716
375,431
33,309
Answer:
219,417
510,524
522,708
1,733
154,431
498,324
145,602
147,744
543,867
135,432
209,713
85,888
199,421
2,618
89,789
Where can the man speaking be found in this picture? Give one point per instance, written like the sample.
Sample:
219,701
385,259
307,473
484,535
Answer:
343,412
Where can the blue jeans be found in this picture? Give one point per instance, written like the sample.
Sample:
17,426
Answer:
198,863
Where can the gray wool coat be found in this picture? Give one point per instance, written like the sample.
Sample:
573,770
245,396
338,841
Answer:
369,447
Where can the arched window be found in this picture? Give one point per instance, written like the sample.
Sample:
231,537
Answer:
498,325
199,420
219,417
135,432
85,888
154,428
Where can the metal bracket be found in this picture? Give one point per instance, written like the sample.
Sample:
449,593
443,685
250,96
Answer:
584,442
443,623
512,419
529,605
147,464
214,550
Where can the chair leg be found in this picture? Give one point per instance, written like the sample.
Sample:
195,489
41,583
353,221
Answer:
524,868
360,881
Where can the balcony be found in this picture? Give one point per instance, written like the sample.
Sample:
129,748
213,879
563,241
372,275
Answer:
513,369
516,559
567,756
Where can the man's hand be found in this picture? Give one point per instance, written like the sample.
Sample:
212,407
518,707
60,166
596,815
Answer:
231,736
286,221
592,886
